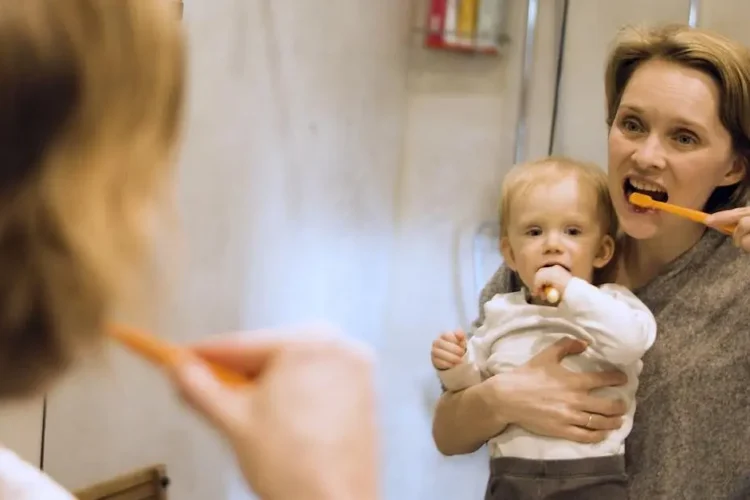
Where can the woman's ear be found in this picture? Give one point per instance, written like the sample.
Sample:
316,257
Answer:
736,173
605,253
507,252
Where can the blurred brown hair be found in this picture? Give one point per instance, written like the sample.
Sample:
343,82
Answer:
91,96
725,61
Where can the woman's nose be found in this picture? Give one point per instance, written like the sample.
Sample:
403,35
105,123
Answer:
650,153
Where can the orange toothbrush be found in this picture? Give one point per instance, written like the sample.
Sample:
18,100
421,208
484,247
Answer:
645,201
164,354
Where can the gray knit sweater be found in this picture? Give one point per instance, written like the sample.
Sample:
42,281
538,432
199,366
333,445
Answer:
691,435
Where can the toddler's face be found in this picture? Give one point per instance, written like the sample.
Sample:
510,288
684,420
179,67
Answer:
556,223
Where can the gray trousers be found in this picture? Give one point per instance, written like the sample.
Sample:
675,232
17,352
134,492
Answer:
743,490
599,478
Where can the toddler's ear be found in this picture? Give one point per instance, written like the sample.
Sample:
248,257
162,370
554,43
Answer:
507,252
605,253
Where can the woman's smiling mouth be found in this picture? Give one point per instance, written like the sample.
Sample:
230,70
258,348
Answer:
655,191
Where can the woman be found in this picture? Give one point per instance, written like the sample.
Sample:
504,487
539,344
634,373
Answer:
91,105
678,112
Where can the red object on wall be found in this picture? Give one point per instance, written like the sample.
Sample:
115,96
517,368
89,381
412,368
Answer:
435,24
441,30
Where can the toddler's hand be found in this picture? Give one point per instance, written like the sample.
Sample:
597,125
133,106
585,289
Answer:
448,350
556,276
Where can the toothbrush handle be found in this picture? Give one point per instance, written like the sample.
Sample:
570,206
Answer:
693,215
164,354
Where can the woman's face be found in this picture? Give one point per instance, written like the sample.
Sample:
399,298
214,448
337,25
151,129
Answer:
667,141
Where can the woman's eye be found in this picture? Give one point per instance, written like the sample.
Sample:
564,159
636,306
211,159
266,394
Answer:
631,125
686,139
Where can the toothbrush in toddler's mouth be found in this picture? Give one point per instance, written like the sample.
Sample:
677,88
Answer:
645,201
551,294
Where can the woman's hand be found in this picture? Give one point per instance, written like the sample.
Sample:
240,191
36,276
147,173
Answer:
542,397
739,216
545,398
306,426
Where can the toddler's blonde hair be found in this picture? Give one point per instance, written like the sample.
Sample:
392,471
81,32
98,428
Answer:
552,169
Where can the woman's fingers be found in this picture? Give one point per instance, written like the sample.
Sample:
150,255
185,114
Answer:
596,380
606,413
572,426
587,403
741,235
241,353
556,402
557,351
744,242
596,421
612,408
728,216
595,413
199,388
581,435
249,351
739,216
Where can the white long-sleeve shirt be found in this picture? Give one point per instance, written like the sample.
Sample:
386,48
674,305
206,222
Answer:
22,481
618,328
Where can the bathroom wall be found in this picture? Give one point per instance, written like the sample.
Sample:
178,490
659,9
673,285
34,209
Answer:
731,20
332,168
21,426
287,197
582,131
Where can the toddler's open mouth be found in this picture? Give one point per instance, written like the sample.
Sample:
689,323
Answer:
553,264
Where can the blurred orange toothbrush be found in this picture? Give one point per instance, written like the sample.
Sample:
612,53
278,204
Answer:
165,354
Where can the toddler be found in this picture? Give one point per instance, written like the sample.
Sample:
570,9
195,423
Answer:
558,232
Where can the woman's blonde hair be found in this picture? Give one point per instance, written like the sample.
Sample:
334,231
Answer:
91,102
553,169
725,61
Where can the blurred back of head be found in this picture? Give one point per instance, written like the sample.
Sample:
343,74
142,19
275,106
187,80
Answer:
91,95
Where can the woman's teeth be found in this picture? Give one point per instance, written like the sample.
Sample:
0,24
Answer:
653,190
647,186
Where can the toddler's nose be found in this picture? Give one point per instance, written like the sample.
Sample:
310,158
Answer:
552,243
